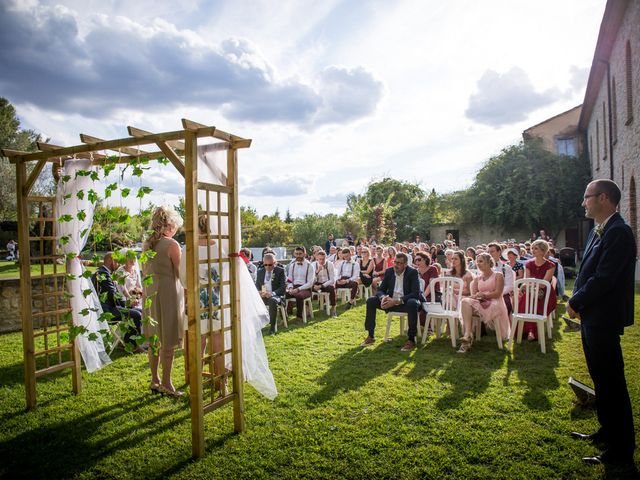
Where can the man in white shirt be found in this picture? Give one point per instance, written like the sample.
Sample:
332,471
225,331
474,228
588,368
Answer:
347,275
333,254
300,279
495,250
325,279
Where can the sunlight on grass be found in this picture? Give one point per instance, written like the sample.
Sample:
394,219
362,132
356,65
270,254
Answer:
342,412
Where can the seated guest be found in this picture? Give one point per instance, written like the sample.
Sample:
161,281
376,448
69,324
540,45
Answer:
347,275
471,255
427,272
511,256
113,302
379,266
271,283
333,254
486,301
391,256
264,252
300,277
459,270
559,273
129,282
448,258
325,279
541,268
253,270
366,265
495,250
398,292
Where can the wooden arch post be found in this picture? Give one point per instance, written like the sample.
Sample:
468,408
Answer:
53,305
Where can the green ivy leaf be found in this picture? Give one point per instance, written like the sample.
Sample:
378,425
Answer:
64,240
103,297
94,175
137,171
86,292
84,312
163,160
98,237
93,337
80,194
148,280
83,173
66,178
147,302
105,317
147,320
142,191
81,215
66,317
125,218
86,274
109,189
109,167
67,196
70,256
65,218
124,192
76,330
84,232
92,196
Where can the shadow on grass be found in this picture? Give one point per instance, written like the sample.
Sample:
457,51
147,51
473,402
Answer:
67,448
352,370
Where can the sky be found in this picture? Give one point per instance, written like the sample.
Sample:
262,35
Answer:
334,94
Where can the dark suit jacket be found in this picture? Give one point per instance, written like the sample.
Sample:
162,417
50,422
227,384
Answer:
603,294
103,283
411,284
278,280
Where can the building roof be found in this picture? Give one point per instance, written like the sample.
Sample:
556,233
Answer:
524,133
611,21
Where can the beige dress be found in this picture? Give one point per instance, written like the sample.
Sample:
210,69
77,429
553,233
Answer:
168,302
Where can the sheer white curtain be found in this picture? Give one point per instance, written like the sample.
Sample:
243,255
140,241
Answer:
212,168
77,231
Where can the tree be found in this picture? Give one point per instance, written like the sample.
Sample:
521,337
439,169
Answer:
312,229
526,186
12,137
288,218
270,230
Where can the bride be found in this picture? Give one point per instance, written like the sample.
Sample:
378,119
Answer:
254,315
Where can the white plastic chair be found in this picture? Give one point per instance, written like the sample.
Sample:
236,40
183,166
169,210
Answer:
531,290
323,301
364,292
344,294
307,307
281,312
402,316
451,307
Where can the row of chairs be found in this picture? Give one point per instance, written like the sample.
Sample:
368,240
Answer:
343,294
449,312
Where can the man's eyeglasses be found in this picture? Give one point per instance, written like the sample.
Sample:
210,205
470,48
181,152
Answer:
592,195
268,264
418,259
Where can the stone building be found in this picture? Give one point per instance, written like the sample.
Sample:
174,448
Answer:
610,117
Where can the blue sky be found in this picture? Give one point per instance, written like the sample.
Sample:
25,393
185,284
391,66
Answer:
332,93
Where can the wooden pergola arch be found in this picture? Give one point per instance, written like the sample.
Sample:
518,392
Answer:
45,307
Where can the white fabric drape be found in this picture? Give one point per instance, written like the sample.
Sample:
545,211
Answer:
212,168
77,231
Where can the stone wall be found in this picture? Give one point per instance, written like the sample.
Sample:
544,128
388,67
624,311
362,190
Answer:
472,235
625,131
10,305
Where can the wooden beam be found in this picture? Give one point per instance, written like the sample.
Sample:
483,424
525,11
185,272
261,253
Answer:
172,156
28,345
33,176
236,334
8,152
219,134
138,132
194,333
50,147
111,145
128,150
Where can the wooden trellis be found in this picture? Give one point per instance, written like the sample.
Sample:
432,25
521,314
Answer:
45,306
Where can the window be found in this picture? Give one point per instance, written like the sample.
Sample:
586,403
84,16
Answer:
614,111
629,84
566,146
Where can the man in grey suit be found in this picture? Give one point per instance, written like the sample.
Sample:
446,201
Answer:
603,298
271,283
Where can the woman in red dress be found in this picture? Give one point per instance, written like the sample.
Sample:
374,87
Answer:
543,269
379,267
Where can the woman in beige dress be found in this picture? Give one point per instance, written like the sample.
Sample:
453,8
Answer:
168,300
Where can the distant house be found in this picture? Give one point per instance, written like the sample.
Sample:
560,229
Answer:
559,134
610,117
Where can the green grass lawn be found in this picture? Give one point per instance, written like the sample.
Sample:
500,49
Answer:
342,412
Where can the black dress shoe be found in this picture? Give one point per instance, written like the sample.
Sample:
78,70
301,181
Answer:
609,456
593,437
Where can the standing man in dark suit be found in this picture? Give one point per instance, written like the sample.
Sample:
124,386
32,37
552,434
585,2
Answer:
603,297
329,243
113,302
399,291
271,283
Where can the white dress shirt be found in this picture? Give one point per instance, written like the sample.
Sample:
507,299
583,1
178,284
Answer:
325,274
302,274
509,276
349,269
398,288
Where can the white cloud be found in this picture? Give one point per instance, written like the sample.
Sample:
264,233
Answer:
272,186
507,98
